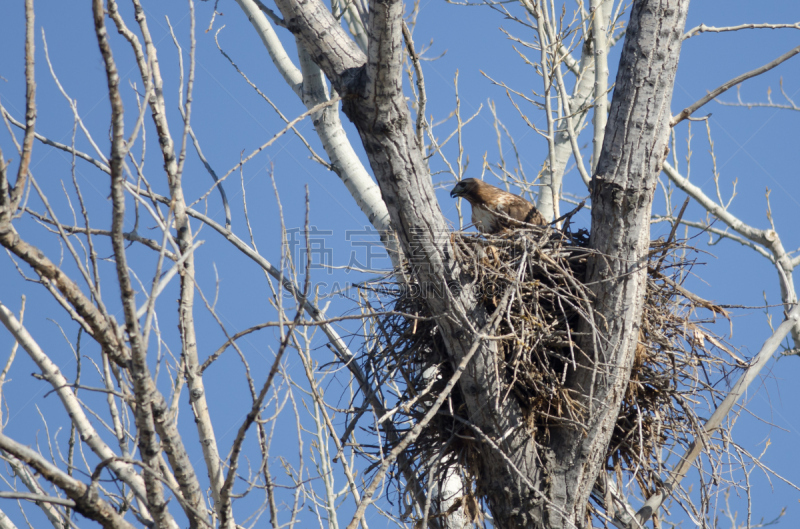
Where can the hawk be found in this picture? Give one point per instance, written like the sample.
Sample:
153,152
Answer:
495,210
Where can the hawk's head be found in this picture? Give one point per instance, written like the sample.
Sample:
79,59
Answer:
464,187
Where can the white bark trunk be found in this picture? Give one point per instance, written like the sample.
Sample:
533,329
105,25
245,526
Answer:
600,11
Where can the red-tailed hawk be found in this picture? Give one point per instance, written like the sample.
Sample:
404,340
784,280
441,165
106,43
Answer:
494,210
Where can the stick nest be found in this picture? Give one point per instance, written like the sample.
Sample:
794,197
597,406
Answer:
677,362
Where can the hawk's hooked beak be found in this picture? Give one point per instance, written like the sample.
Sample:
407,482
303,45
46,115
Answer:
454,193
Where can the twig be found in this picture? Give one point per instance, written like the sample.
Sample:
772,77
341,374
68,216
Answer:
421,97
274,138
757,364
68,399
417,429
37,498
86,500
702,28
688,111
149,445
30,110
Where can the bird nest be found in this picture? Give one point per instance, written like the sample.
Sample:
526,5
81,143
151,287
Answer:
677,362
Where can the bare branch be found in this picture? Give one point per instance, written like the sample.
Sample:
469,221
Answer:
37,498
571,130
30,111
767,238
688,111
129,236
756,365
769,104
58,145
702,28
226,513
409,438
290,73
87,501
289,126
421,97
599,11
149,445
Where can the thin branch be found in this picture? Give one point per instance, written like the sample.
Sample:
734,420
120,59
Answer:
129,236
756,365
600,42
768,238
688,111
226,513
702,28
149,444
421,97
289,126
573,140
769,104
30,110
82,155
37,498
87,501
411,436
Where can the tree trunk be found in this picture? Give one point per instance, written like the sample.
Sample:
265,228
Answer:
371,87
634,150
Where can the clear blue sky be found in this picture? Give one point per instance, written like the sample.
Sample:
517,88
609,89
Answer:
758,148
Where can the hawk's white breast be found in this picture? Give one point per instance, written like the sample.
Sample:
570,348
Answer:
483,219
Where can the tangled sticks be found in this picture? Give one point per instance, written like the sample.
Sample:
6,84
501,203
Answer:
676,362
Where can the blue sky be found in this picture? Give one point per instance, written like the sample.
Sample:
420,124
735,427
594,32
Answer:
758,148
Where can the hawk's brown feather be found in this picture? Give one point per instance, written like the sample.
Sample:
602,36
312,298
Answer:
495,210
